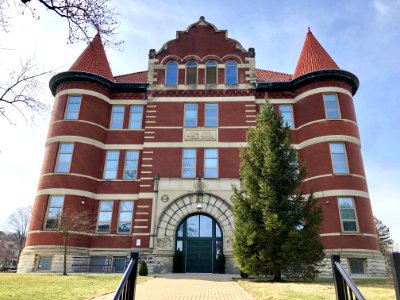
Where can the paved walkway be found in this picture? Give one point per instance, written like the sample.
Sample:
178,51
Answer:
189,286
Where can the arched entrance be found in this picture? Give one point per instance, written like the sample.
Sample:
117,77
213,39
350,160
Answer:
199,237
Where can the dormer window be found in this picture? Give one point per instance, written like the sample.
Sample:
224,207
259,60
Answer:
191,72
211,72
171,77
231,76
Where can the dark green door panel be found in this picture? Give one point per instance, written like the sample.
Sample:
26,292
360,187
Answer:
199,256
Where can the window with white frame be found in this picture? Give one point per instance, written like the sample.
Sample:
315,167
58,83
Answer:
210,163
356,265
117,117
64,158
111,165
191,72
125,216
104,217
189,163
347,214
211,72
54,211
44,263
136,115
231,76
131,164
171,76
331,106
211,115
73,106
286,111
190,115
339,158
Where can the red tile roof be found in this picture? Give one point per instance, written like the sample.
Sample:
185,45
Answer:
313,57
94,60
137,77
272,76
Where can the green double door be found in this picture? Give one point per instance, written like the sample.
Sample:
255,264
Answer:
199,256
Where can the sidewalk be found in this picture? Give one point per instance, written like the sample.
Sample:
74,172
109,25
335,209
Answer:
189,286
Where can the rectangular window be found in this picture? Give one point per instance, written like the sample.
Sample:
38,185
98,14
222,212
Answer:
211,118
117,117
339,159
347,214
111,165
131,164
104,217
72,109
125,216
287,114
54,211
44,263
189,163
331,106
190,114
210,163
356,265
64,157
135,121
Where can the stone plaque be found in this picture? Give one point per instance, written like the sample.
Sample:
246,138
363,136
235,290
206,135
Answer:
200,135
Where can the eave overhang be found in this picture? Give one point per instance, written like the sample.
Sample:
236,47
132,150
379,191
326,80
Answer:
74,76
316,76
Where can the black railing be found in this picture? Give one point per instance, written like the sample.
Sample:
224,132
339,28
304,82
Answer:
127,286
345,287
395,261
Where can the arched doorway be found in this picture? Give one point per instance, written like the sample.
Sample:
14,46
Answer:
199,237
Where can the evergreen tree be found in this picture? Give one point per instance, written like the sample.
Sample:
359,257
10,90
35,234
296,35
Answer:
276,229
385,242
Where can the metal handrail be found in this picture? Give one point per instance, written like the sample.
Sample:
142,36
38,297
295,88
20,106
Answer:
344,281
127,286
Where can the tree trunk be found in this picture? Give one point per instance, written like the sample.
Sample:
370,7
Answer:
65,255
277,276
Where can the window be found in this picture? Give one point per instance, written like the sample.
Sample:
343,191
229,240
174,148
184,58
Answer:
331,106
210,163
356,265
339,160
189,163
191,72
171,77
125,216
54,211
211,118
104,218
64,158
211,72
231,72
117,117
190,114
287,115
73,106
136,117
44,263
111,165
347,214
131,164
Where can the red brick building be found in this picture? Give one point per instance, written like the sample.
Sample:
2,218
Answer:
153,154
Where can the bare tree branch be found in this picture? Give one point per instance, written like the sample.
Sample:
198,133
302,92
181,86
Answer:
20,91
18,223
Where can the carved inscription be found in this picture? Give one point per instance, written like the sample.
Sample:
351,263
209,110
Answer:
200,135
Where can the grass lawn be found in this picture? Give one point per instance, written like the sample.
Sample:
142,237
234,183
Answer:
377,289
55,286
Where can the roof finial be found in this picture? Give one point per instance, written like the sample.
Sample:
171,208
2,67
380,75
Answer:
202,18
309,29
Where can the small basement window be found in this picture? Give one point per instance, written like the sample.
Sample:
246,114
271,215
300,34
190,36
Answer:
44,263
356,265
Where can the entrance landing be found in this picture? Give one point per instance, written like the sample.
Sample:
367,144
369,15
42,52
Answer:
190,287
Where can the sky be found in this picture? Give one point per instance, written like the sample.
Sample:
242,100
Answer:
362,36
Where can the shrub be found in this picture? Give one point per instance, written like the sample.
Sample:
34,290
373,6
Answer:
177,262
221,260
243,274
143,271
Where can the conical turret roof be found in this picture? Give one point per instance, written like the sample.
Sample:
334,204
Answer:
313,57
94,60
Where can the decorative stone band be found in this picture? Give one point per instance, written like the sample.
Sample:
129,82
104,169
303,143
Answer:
92,178
89,234
332,175
345,234
61,191
334,193
101,96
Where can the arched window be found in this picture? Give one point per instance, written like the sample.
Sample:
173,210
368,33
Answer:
211,72
191,72
171,77
231,76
